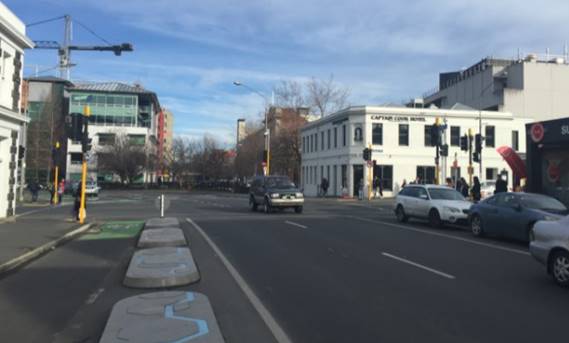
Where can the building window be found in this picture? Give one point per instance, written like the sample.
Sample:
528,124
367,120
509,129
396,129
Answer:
76,158
315,142
426,174
515,140
490,138
385,174
455,135
335,137
428,141
329,139
343,135
322,138
358,134
491,173
303,146
377,134
106,139
344,176
404,134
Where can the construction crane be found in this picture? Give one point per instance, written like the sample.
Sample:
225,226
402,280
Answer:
65,49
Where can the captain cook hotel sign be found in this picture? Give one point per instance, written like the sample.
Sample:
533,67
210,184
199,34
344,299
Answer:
397,118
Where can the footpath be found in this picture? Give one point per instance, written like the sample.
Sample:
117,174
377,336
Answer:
35,230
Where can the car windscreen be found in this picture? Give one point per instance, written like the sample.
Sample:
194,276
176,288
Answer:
445,194
279,183
541,202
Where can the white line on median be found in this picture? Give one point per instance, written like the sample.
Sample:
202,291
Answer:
296,224
489,245
271,323
400,259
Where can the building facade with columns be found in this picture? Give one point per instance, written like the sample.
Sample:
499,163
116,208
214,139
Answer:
332,147
13,42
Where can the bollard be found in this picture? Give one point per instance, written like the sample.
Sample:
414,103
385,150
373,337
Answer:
161,205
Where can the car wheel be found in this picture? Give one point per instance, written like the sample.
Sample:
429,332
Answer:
435,219
298,209
267,206
400,213
476,226
560,268
252,204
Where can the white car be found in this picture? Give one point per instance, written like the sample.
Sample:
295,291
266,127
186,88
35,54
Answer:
438,204
92,189
549,244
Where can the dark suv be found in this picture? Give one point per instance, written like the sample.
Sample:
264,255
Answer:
275,192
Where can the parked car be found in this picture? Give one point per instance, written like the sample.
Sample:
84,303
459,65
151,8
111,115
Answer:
275,192
92,189
549,244
487,189
512,215
438,204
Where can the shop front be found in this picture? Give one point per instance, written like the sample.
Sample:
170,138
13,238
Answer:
548,158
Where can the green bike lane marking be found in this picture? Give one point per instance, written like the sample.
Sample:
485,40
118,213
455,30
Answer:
116,230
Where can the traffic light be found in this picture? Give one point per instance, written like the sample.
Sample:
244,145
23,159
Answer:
464,143
367,154
87,143
476,157
436,135
444,150
478,143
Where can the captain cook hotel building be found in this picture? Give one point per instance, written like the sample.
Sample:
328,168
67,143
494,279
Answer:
401,146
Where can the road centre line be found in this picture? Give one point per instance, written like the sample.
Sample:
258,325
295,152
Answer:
488,245
296,224
271,323
421,266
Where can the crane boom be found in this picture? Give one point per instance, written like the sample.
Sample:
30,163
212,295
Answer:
65,49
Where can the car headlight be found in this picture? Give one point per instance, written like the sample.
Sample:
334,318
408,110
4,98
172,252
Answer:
452,209
550,218
275,195
299,195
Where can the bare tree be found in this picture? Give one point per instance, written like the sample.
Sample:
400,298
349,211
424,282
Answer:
289,93
326,96
285,147
125,158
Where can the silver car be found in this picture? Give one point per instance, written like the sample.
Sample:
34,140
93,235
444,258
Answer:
549,244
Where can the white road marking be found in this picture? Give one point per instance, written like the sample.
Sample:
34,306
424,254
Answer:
296,224
421,266
433,233
93,297
271,323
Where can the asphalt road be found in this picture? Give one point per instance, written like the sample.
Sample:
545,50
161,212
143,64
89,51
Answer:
340,272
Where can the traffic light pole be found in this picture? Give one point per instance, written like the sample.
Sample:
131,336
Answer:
55,198
369,172
82,212
470,168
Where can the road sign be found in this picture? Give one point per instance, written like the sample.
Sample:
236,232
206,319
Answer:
537,132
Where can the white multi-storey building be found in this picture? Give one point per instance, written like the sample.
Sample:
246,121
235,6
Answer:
332,147
13,41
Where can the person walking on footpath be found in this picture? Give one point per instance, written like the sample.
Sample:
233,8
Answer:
449,182
324,186
34,189
475,191
60,191
404,183
463,187
501,185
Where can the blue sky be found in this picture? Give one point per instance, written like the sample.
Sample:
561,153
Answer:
189,52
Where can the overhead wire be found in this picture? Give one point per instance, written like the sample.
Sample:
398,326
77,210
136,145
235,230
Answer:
44,21
91,31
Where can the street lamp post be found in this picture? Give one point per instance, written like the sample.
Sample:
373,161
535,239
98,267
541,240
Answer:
267,132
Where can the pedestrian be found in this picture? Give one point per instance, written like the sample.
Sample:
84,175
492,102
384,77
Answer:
475,191
34,189
376,187
51,189
463,187
60,191
501,184
403,184
449,182
324,186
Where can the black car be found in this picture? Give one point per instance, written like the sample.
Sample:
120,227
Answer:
275,192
